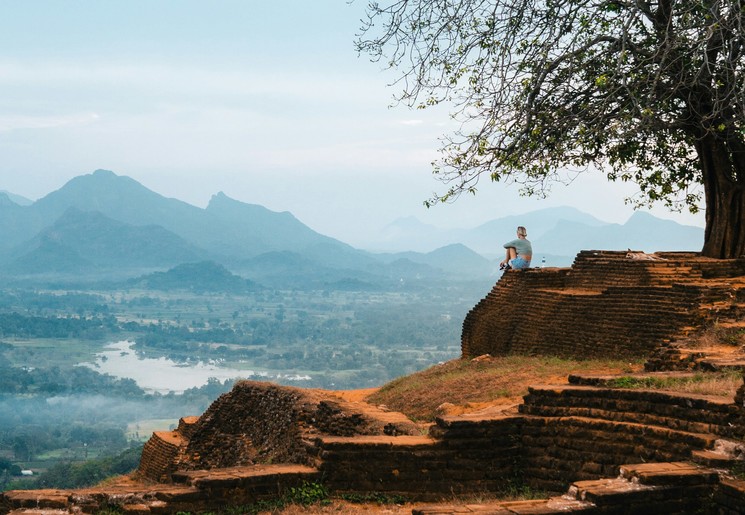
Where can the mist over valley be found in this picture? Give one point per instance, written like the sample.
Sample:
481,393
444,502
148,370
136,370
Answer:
122,310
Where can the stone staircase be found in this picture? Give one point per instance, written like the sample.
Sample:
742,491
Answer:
609,450
655,488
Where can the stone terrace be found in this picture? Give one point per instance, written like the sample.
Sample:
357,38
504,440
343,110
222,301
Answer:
604,305
595,448
609,450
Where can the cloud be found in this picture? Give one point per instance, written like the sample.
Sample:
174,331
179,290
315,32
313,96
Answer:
165,79
13,122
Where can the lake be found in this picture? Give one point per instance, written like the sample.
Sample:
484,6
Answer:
164,375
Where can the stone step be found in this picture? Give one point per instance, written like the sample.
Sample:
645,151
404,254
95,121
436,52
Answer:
592,448
602,381
733,324
647,419
678,487
726,454
714,459
94,499
715,364
374,442
555,505
680,412
49,499
675,473
258,477
730,495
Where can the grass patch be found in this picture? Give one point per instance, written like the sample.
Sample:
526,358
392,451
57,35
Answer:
718,334
724,383
302,497
495,380
374,498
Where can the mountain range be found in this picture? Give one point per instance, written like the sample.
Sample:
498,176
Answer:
106,226
557,235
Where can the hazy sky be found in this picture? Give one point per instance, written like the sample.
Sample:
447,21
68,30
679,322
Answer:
264,100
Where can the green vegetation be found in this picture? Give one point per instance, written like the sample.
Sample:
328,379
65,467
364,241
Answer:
705,383
638,108
71,474
374,498
56,415
303,496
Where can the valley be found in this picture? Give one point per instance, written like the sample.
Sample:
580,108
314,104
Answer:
122,310
179,350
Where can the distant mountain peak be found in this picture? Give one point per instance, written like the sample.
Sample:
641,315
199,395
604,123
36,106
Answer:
15,199
103,173
220,199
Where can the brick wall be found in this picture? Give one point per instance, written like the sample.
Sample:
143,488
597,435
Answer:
259,422
604,305
160,455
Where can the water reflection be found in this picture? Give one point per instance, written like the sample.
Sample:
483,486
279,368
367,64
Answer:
165,375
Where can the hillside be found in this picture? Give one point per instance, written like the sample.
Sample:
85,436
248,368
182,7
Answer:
225,227
101,242
205,276
106,223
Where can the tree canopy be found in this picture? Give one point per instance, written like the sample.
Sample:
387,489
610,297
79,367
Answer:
646,91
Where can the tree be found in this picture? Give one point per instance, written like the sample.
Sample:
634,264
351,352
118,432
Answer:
649,91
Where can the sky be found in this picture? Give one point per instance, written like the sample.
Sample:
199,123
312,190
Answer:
267,101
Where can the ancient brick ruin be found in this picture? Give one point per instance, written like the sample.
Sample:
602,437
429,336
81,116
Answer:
604,305
592,447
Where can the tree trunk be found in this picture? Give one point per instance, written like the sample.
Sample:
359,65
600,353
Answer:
724,237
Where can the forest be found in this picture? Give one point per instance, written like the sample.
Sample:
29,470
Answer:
71,424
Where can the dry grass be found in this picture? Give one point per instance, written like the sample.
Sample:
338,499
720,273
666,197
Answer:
720,334
475,384
721,384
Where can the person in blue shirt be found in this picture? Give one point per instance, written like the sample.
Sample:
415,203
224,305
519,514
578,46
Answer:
519,252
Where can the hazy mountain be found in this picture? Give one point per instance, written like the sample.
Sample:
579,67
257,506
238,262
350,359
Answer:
557,234
105,243
16,199
47,257
227,229
409,234
488,238
120,198
205,276
17,223
250,229
455,259
103,222
295,271
641,232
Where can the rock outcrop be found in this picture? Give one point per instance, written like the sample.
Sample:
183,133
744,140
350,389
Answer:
260,423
